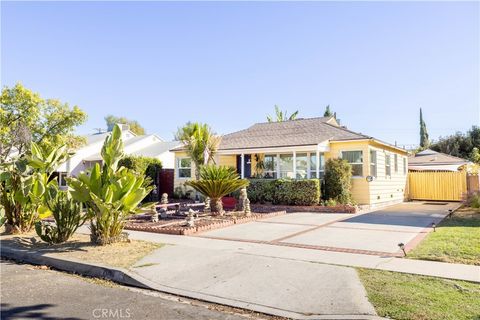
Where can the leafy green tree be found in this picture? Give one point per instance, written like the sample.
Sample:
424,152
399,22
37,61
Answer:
200,142
135,127
328,112
338,175
281,116
475,155
110,193
424,141
216,182
26,117
460,145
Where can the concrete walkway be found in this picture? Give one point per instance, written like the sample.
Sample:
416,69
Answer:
420,267
283,287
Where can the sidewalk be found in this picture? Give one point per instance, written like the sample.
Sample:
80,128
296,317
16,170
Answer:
420,267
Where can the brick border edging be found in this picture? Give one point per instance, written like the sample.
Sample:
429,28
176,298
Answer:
212,226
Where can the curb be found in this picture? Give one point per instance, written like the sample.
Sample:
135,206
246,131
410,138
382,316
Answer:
126,277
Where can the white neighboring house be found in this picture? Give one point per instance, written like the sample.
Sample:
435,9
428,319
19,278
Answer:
149,145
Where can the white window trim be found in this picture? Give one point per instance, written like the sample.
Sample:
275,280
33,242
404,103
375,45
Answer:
389,165
274,172
363,173
60,179
179,161
375,164
395,163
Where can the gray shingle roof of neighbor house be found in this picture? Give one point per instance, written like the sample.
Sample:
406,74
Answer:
297,132
429,157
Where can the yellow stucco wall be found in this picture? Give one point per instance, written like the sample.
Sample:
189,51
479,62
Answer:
227,160
360,188
383,189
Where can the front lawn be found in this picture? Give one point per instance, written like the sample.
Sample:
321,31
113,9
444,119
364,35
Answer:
457,240
405,296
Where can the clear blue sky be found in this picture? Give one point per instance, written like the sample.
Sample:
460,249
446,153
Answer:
228,64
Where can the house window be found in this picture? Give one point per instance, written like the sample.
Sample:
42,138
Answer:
184,167
313,165
301,165
355,158
373,163
269,163
388,167
62,182
404,165
395,162
286,166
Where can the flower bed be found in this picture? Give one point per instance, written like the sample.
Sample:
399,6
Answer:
320,209
178,226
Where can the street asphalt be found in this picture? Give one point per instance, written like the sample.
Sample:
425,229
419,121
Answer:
30,292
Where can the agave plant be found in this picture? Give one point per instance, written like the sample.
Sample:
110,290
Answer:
216,182
110,193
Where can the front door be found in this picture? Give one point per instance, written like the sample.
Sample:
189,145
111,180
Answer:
247,165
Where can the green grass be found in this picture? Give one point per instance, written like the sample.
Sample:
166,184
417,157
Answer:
457,240
405,296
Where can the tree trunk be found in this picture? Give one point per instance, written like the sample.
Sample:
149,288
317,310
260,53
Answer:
217,206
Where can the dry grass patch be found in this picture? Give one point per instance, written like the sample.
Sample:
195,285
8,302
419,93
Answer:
79,247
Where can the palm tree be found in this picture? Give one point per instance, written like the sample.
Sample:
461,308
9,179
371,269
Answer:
216,182
201,143
281,116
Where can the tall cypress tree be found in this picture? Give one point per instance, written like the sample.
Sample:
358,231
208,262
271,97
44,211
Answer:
424,141
328,112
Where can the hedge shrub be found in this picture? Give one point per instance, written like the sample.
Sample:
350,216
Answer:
285,191
143,165
338,175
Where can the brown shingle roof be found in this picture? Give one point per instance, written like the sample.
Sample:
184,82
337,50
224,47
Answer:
288,133
430,157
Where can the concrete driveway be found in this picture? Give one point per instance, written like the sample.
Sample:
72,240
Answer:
376,233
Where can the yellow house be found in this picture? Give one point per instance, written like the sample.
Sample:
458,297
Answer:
298,149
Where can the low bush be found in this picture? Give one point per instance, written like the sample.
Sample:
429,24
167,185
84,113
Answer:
338,175
473,200
285,191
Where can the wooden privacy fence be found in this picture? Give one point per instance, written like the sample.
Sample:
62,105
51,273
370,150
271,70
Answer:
437,185
473,183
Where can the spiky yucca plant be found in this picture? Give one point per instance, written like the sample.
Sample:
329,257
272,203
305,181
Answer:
216,182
